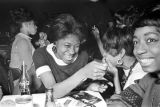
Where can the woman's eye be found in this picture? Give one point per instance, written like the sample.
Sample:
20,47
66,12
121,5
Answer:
151,40
77,46
67,46
135,42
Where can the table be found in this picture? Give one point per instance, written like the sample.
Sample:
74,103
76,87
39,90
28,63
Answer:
39,100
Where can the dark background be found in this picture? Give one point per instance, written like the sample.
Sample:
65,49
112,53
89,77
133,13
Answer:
42,8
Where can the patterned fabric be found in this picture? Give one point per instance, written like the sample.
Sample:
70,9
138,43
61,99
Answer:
131,97
145,93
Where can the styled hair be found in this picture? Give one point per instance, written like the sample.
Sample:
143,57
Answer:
127,16
18,16
150,18
119,39
63,25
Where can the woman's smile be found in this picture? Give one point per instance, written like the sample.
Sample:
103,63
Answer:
146,62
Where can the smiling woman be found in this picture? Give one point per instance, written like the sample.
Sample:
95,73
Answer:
146,49
62,62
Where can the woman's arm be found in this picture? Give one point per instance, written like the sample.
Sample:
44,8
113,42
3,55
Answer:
112,69
64,87
96,34
133,95
117,84
93,70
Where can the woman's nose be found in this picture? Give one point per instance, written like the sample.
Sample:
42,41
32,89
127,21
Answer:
140,49
72,50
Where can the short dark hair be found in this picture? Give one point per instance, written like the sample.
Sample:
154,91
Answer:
118,39
150,18
18,16
63,25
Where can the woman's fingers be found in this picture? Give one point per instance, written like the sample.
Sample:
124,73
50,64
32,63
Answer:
110,68
97,87
98,74
102,88
95,70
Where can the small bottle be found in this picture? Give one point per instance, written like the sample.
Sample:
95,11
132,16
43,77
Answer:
50,98
24,84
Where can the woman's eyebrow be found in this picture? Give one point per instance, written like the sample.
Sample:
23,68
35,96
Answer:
148,33
134,36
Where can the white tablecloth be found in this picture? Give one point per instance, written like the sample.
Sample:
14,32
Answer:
39,100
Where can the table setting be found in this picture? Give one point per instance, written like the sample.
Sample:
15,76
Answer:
80,99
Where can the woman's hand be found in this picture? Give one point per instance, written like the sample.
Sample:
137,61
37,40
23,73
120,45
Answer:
97,87
94,70
116,103
110,67
95,32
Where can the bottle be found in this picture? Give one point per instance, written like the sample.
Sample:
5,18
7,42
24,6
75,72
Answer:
24,81
50,98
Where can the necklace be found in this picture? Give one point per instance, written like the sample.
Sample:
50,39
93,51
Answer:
130,72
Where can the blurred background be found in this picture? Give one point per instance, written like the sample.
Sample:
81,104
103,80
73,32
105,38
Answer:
42,8
89,12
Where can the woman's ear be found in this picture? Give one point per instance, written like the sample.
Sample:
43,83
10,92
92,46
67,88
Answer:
121,55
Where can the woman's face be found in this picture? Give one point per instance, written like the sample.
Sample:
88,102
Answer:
32,28
67,48
112,56
147,48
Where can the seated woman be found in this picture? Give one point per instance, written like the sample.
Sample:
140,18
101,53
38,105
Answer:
146,49
119,53
60,64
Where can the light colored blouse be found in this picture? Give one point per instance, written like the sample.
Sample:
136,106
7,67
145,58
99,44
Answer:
137,73
22,50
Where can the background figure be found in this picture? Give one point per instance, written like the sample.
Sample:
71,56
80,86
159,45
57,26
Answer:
62,62
119,53
127,16
146,49
4,83
22,48
1,93
43,40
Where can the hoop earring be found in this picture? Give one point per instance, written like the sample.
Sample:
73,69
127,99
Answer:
54,49
119,62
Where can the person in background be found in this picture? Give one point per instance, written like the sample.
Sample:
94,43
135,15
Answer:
22,48
4,83
1,93
119,53
63,62
42,41
146,49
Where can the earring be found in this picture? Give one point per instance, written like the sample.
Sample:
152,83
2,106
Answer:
119,62
54,48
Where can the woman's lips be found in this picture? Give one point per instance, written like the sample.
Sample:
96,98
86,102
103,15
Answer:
146,62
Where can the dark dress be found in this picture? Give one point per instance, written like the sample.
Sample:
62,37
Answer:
42,58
